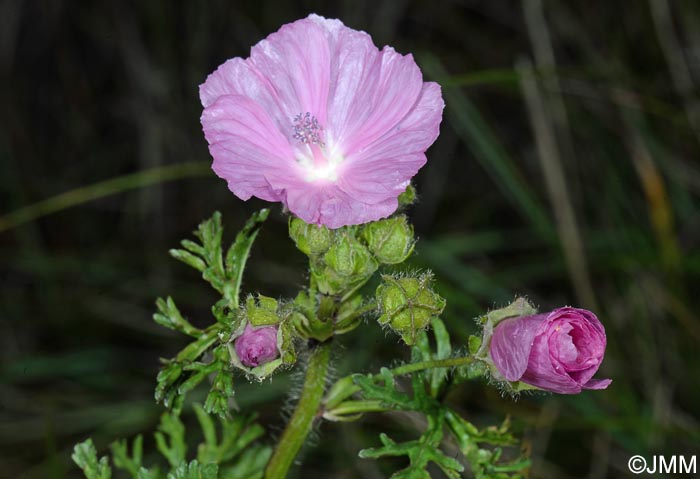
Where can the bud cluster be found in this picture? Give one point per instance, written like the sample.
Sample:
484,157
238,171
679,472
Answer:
345,258
341,261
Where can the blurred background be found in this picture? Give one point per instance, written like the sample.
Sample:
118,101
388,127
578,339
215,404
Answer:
567,170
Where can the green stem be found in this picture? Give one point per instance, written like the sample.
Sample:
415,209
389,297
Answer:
307,409
345,388
437,363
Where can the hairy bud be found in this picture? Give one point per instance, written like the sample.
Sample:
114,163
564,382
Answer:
408,304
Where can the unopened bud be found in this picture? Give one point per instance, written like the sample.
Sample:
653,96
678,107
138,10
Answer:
312,240
257,346
408,304
390,240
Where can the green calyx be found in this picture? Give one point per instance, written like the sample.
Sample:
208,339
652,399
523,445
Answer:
262,311
408,304
347,265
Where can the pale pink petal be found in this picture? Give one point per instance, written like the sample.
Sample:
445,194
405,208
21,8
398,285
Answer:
296,61
240,77
383,169
380,104
512,342
249,151
333,208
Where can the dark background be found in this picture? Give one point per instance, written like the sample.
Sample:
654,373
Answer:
567,170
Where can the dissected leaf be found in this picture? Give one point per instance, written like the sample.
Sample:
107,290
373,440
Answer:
85,456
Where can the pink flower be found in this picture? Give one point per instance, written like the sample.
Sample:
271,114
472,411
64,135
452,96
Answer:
558,351
321,120
257,346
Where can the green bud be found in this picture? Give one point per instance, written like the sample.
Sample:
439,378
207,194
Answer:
390,240
408,304
346,265
261,310
312,240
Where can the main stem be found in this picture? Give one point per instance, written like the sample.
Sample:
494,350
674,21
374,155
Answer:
301,422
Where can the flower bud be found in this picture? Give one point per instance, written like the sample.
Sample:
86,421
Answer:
390,240
408,304
257,346
559,351
261,339
312,240
347,264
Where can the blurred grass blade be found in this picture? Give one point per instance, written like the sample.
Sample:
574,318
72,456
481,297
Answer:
482,141
556,183
85,194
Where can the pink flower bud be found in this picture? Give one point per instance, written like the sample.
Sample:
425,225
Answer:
257,346
558,351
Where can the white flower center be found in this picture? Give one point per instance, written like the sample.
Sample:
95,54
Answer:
318,160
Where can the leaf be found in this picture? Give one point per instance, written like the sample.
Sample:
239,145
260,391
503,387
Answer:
146,474
122,459
236,435
195,470
250,464
170,439
383,388
420,453
238,253
437,377
485,463
225,275
85,456
169,316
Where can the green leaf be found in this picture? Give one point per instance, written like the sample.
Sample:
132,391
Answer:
195,470
238,253
437,377
85,456
147,474
169,316
123,460
170,439
420,453
485,463
225,275
383,388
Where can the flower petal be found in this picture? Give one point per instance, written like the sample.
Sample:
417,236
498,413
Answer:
296,61
512,342
239,77
597,384
383,169
334,208
543,374
249,151
390,92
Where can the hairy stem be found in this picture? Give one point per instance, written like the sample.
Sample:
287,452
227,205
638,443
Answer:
301,422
